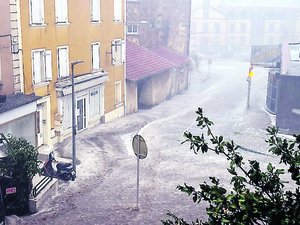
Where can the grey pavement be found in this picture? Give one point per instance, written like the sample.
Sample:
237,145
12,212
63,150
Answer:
105,191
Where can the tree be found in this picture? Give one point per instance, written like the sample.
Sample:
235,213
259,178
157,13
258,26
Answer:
22,165
256,197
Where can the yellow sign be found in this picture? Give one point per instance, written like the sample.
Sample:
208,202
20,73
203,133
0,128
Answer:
251,73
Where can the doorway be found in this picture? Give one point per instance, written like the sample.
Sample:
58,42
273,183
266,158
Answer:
40,126
81,114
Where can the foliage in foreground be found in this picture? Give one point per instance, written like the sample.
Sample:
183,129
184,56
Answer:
256,196
22,165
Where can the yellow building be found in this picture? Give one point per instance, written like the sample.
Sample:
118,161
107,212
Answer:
56,33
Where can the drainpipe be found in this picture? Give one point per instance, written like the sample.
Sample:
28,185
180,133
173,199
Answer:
20,46
124,64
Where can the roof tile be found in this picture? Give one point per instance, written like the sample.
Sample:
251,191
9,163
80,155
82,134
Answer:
143,63
171,55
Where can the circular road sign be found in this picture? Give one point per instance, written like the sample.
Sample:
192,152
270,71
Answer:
139,146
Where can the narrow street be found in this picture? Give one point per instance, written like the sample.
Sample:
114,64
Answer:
105,191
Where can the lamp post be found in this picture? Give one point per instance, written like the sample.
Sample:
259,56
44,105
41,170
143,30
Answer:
73,116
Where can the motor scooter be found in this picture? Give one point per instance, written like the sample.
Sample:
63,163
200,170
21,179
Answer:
64,171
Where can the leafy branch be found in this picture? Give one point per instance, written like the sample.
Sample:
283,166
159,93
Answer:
257,197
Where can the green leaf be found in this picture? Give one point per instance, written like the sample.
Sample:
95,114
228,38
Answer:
270,167
204,148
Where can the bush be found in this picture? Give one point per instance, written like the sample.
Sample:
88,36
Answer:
256,196
22,165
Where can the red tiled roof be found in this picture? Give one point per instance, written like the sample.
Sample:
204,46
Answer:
171,55
142,62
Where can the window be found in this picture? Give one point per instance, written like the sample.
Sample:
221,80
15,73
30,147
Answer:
232,27
271,40
94,107
205,27
95,56
217,28
117,10
36,12
61,10
243,27
118,51
95,10
132,29
63,62
41,66
271,27
294,52
67,111
216,41
242,40
118,92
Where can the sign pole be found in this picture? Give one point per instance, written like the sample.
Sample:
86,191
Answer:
140,150
138,174
250,75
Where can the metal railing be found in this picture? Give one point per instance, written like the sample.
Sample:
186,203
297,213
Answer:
41,185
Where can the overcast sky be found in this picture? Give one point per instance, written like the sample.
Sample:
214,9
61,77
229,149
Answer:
266,3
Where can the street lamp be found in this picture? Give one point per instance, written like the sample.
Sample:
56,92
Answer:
73,116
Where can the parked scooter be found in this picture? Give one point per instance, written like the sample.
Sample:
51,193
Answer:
64,171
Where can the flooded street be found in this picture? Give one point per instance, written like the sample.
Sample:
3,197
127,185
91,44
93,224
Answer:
105,191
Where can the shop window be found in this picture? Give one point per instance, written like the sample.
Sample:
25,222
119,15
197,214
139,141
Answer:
94,106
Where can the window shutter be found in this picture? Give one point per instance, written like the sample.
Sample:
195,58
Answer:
123,51
57,10
63,62
96,10
41,4
48,65
117,9
65,10
36,67
113,52
36,11
61,9
118,51
95,56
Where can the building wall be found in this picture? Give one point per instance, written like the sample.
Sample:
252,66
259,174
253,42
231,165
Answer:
244,26
20,127
288,105
166,23
132,97
15,45
77,34
182,79
6,65
154,90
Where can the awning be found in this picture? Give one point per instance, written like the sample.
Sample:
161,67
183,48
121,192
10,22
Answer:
81,82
